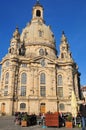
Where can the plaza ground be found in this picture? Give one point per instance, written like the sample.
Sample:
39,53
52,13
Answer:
7,123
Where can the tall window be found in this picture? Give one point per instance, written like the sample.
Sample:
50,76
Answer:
23,84
6,84
42,91
5,90
59,80
43,85
23,78
42,78
23,90
7,78
60,91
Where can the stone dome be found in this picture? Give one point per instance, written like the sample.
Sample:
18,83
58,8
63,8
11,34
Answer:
37,32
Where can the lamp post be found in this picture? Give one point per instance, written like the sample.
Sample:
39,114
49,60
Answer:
13,104
15,100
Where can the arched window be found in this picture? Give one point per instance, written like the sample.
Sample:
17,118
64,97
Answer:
41,52
61,106
42,85
23,84
23,78
40,33
38,13
42,78
7,78
59,80
22,106
7,63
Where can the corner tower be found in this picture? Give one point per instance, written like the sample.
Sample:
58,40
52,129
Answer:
65,53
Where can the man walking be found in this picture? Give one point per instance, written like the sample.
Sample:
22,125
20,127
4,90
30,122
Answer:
83,114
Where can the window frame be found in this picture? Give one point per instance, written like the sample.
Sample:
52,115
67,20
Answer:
22,106
23,90
59,80
42,78
23,78
60,92
42,91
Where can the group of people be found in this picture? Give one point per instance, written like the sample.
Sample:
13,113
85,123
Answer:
33,118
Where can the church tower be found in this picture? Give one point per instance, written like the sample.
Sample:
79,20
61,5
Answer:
65,53
32,72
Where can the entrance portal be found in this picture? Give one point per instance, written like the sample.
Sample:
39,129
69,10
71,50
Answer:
3,108
42,108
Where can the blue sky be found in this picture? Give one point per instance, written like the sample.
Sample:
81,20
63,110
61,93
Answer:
67,15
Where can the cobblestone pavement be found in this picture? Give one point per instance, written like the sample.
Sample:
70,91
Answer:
7,123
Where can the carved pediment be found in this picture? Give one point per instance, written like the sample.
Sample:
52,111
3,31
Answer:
41,58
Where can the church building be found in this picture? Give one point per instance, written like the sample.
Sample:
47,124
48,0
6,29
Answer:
34,77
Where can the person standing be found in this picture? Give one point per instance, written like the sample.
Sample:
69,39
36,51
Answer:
83,113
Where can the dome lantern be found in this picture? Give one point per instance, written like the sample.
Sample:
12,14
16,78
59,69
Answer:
37,12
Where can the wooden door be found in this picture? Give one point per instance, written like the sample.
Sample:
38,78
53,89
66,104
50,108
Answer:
3,108
42,108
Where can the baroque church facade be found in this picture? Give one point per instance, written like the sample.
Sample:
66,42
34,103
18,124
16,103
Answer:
34,78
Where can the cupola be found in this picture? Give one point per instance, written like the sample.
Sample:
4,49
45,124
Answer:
37,12
37,34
